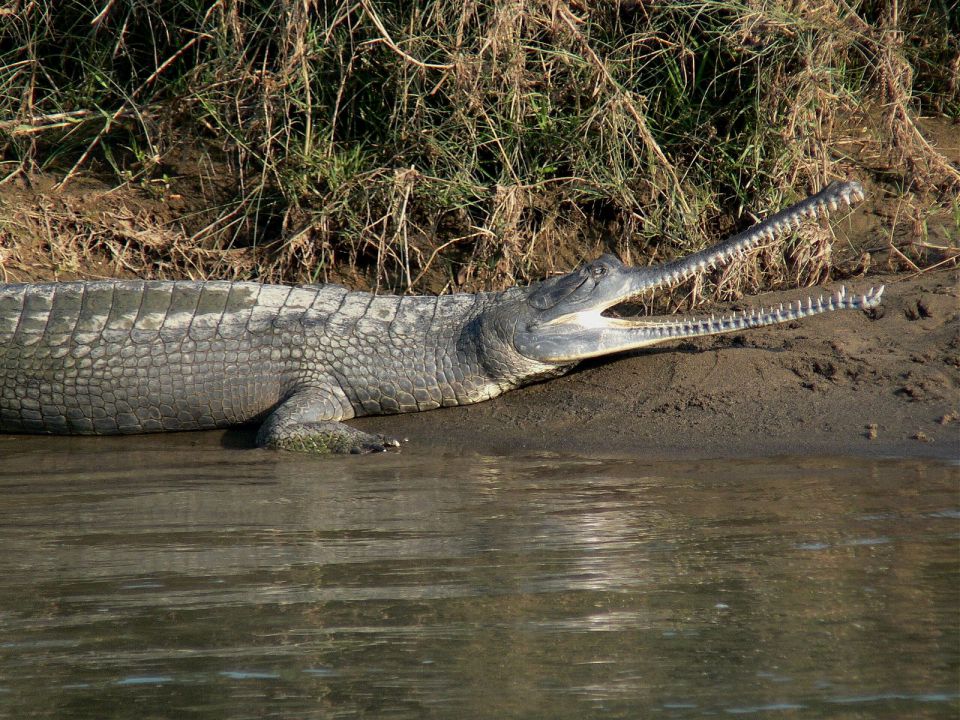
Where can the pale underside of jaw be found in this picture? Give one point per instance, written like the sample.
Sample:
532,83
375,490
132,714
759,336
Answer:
683,327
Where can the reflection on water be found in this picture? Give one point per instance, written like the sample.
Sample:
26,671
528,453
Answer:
166,576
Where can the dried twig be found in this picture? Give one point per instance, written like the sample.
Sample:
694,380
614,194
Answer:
39,123
571,22
123,109
437,250
396,48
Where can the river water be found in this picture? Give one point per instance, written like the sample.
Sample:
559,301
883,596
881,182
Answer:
170,576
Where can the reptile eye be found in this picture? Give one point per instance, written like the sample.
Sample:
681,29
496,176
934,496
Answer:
599,271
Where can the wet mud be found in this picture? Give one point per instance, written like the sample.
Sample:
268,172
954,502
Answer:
880,383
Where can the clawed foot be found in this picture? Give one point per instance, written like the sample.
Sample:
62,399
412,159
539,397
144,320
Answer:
325,438
377,443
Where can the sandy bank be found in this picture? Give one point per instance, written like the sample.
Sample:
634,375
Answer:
878,384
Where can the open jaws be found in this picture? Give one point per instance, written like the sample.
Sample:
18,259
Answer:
597,334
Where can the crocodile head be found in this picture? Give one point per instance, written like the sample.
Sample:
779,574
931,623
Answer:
565,319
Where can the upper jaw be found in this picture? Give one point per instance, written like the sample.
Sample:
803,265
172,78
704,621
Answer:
834,197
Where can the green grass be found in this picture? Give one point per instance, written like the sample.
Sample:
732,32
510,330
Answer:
467,144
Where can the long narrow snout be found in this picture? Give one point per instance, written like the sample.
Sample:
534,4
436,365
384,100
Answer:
580,330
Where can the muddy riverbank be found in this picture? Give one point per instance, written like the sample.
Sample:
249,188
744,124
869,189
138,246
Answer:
885,382
881,383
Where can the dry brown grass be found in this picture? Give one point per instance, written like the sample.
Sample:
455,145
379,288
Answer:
454,146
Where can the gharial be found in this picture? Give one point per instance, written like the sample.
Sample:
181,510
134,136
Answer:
126,356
